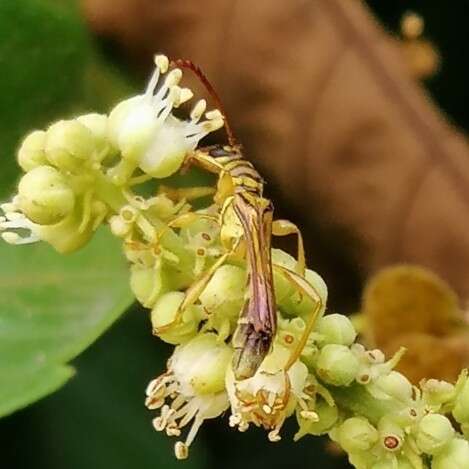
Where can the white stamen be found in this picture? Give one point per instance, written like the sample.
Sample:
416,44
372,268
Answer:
198,110
162,62
214,114
181,450
185,95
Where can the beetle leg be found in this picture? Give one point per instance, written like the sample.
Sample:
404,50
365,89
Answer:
307,289
285,228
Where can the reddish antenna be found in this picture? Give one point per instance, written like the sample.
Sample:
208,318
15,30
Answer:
184,63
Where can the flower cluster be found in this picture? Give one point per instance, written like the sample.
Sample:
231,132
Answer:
89,171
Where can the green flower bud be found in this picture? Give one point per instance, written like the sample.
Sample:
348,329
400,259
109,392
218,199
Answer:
296,303
437,392
434,432
337,365
461,408
391,385
318,421
69,144
44,196
356,434
224,294
148,284
336,329
163,316
97,124
31,152
394,463
454,456
283,288
65,236
202,362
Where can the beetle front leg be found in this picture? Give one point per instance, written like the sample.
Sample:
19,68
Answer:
285,228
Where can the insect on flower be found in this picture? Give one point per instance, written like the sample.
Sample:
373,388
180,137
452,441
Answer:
246,221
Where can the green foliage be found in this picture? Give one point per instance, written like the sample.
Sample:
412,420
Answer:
43,55
51,309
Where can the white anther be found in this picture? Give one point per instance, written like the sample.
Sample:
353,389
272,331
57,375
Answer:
162,62
243,426
10,237
234,420
310,415
198,109
185,95
8,207
214,114
173,77
12,216
210,126
273,436
267,409
159,423
181,450
152,386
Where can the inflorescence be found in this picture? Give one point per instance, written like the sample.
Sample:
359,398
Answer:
89,171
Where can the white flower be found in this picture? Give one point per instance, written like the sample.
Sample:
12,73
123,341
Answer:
194,383
270,396
148,135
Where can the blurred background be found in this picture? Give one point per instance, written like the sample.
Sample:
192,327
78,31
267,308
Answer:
357,123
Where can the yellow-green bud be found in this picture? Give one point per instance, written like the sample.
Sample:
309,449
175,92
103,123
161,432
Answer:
356,434
44,196
65,236
454,456
337,365
202,362
31,152
461,408
336,329
97,124
148,284
297,303
283,288
317,421
394,463
69,143
392,384
434,432
436,392
224,294
165,323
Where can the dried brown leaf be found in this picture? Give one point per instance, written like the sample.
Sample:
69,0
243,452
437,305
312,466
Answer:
320,96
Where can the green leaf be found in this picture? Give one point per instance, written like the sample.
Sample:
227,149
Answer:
49,71
52,307
44,50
